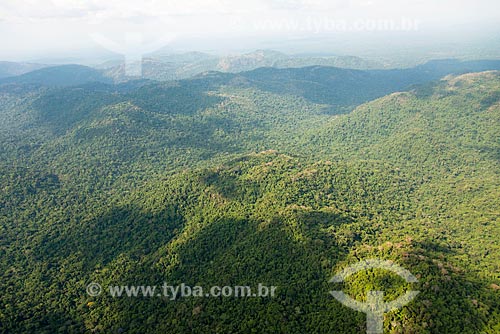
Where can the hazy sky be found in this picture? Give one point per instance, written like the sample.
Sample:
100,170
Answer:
43,27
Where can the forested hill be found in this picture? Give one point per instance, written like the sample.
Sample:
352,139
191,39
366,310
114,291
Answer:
226,180
63,75
345,88
340,88
10,69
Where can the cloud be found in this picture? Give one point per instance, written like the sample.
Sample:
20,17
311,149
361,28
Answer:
32,10
98,10
65,23
318,5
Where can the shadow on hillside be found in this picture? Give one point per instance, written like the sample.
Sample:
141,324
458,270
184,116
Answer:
239,252
226,251
451,300
123,230
182,98
64,108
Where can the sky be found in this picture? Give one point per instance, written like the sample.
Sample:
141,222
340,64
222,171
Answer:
34,28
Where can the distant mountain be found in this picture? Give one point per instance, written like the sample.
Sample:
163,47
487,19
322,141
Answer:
341,89
163,67
10,69
182,66
453,118
212,111
445,66
349,62
183,58
338,90
249,61
60,76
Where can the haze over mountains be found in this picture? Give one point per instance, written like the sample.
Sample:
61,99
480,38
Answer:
167,66
170,66
10,69
174,67
337,88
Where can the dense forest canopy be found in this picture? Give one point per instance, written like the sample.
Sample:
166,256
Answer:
275,176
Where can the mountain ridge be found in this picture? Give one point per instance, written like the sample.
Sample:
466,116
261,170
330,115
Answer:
210,184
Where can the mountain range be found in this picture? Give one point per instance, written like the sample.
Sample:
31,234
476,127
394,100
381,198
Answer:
279,176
